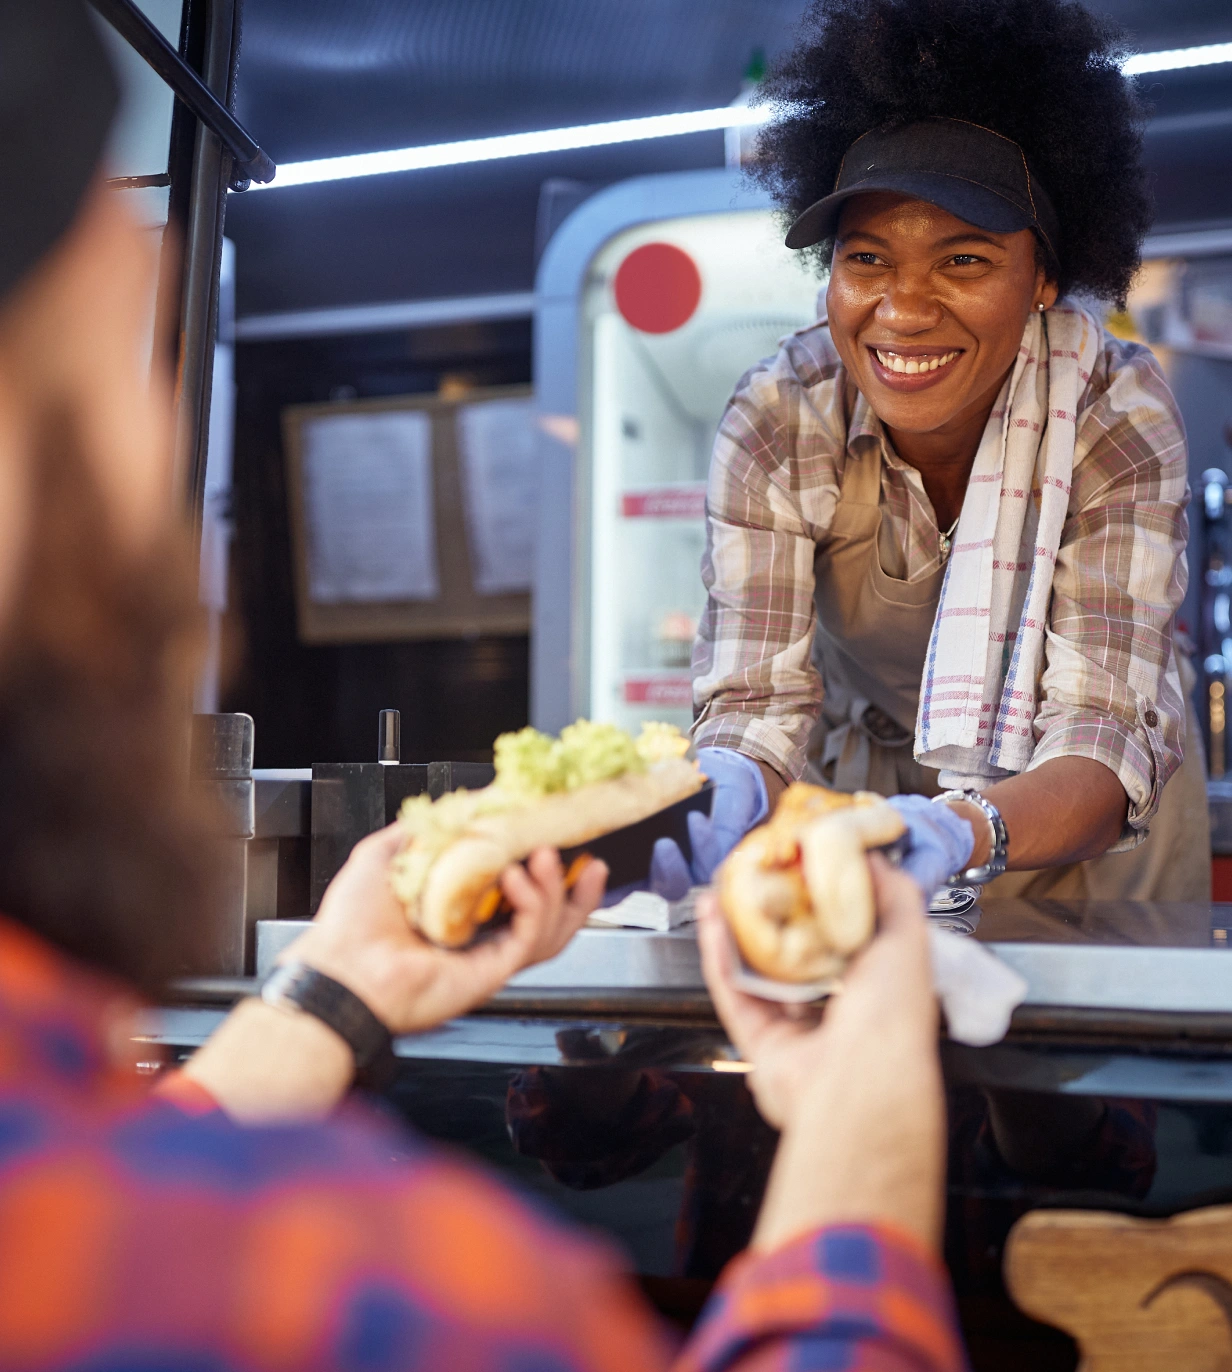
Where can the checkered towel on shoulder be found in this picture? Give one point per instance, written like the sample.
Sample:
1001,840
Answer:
978,696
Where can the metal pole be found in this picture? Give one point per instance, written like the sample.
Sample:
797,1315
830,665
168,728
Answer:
141,34
389,737
203,231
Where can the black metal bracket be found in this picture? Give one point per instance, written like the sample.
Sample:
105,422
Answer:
251,164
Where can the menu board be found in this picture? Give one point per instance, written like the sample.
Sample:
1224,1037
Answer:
368,507
409,521
498,452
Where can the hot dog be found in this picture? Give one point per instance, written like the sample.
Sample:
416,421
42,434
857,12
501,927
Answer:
557,793
797,892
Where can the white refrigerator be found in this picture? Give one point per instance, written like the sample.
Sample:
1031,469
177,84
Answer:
653,299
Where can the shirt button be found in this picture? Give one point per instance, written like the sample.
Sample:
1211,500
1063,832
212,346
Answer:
1152,719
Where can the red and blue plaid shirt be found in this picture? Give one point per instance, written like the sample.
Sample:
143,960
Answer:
145,1230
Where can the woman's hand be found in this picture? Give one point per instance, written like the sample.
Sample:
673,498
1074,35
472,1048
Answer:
362,938
741,801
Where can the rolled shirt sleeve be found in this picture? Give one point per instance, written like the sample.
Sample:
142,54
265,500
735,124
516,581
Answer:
1110,688
858,1297
772,492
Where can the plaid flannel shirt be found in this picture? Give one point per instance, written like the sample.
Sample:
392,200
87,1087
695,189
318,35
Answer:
1110,688
146,1230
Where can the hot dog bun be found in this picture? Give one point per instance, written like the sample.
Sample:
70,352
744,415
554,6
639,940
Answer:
448,871
797,892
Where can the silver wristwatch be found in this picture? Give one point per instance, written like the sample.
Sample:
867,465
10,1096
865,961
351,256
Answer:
997,858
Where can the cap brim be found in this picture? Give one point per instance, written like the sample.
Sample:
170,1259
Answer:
977,205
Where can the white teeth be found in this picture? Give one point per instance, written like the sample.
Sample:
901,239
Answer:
912,366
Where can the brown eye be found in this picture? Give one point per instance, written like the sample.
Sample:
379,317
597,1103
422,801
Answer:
966,259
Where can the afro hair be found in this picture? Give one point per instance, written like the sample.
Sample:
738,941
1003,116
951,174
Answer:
1045,73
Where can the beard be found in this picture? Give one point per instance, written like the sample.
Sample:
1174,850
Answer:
102,844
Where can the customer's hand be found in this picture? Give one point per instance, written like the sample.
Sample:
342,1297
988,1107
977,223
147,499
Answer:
263,1064
740,801
886,997
362,938
857,1094
940,842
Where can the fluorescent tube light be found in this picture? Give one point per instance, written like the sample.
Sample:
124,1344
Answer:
619,131
1173,59
514,145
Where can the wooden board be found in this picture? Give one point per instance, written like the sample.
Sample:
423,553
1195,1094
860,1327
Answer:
459,611
1137,1295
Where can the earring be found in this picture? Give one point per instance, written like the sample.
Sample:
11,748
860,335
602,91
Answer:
1040,307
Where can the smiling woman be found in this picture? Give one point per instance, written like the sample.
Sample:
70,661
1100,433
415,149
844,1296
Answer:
946,525
927,314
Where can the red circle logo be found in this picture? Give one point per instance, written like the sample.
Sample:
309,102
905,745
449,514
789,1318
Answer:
658,287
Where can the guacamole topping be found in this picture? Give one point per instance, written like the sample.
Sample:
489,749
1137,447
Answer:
529,763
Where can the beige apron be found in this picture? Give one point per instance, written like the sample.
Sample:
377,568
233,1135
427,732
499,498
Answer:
872,638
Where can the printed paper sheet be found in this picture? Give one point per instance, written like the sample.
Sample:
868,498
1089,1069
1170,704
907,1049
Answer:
368,504
498,451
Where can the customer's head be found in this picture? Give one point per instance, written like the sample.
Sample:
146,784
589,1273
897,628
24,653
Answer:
98,851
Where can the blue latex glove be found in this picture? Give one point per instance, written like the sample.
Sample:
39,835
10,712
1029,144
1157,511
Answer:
740,802
940,842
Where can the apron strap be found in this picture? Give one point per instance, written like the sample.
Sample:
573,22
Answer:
846,755
861,480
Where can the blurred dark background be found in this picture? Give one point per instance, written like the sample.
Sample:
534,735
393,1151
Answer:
319,78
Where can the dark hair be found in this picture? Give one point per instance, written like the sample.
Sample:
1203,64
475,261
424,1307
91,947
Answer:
1045,73
102,847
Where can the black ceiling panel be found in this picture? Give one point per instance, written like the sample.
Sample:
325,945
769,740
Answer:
322,77
420,235
319,77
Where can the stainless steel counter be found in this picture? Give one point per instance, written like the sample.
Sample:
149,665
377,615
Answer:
1090,955
1128,998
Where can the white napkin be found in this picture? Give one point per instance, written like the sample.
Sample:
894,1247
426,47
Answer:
645,910
977,990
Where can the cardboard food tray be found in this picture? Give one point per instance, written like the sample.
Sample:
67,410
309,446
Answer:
627,851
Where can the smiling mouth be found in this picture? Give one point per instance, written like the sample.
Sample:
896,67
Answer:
916,363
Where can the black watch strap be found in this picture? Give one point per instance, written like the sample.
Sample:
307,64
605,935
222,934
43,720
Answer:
295,985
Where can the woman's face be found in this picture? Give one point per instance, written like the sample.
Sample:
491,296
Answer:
927,311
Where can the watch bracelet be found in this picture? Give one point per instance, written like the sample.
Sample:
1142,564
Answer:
998,856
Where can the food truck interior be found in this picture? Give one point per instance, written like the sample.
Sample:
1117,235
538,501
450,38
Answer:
445,427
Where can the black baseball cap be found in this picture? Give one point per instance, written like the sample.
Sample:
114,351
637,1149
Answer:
973,172
58,97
